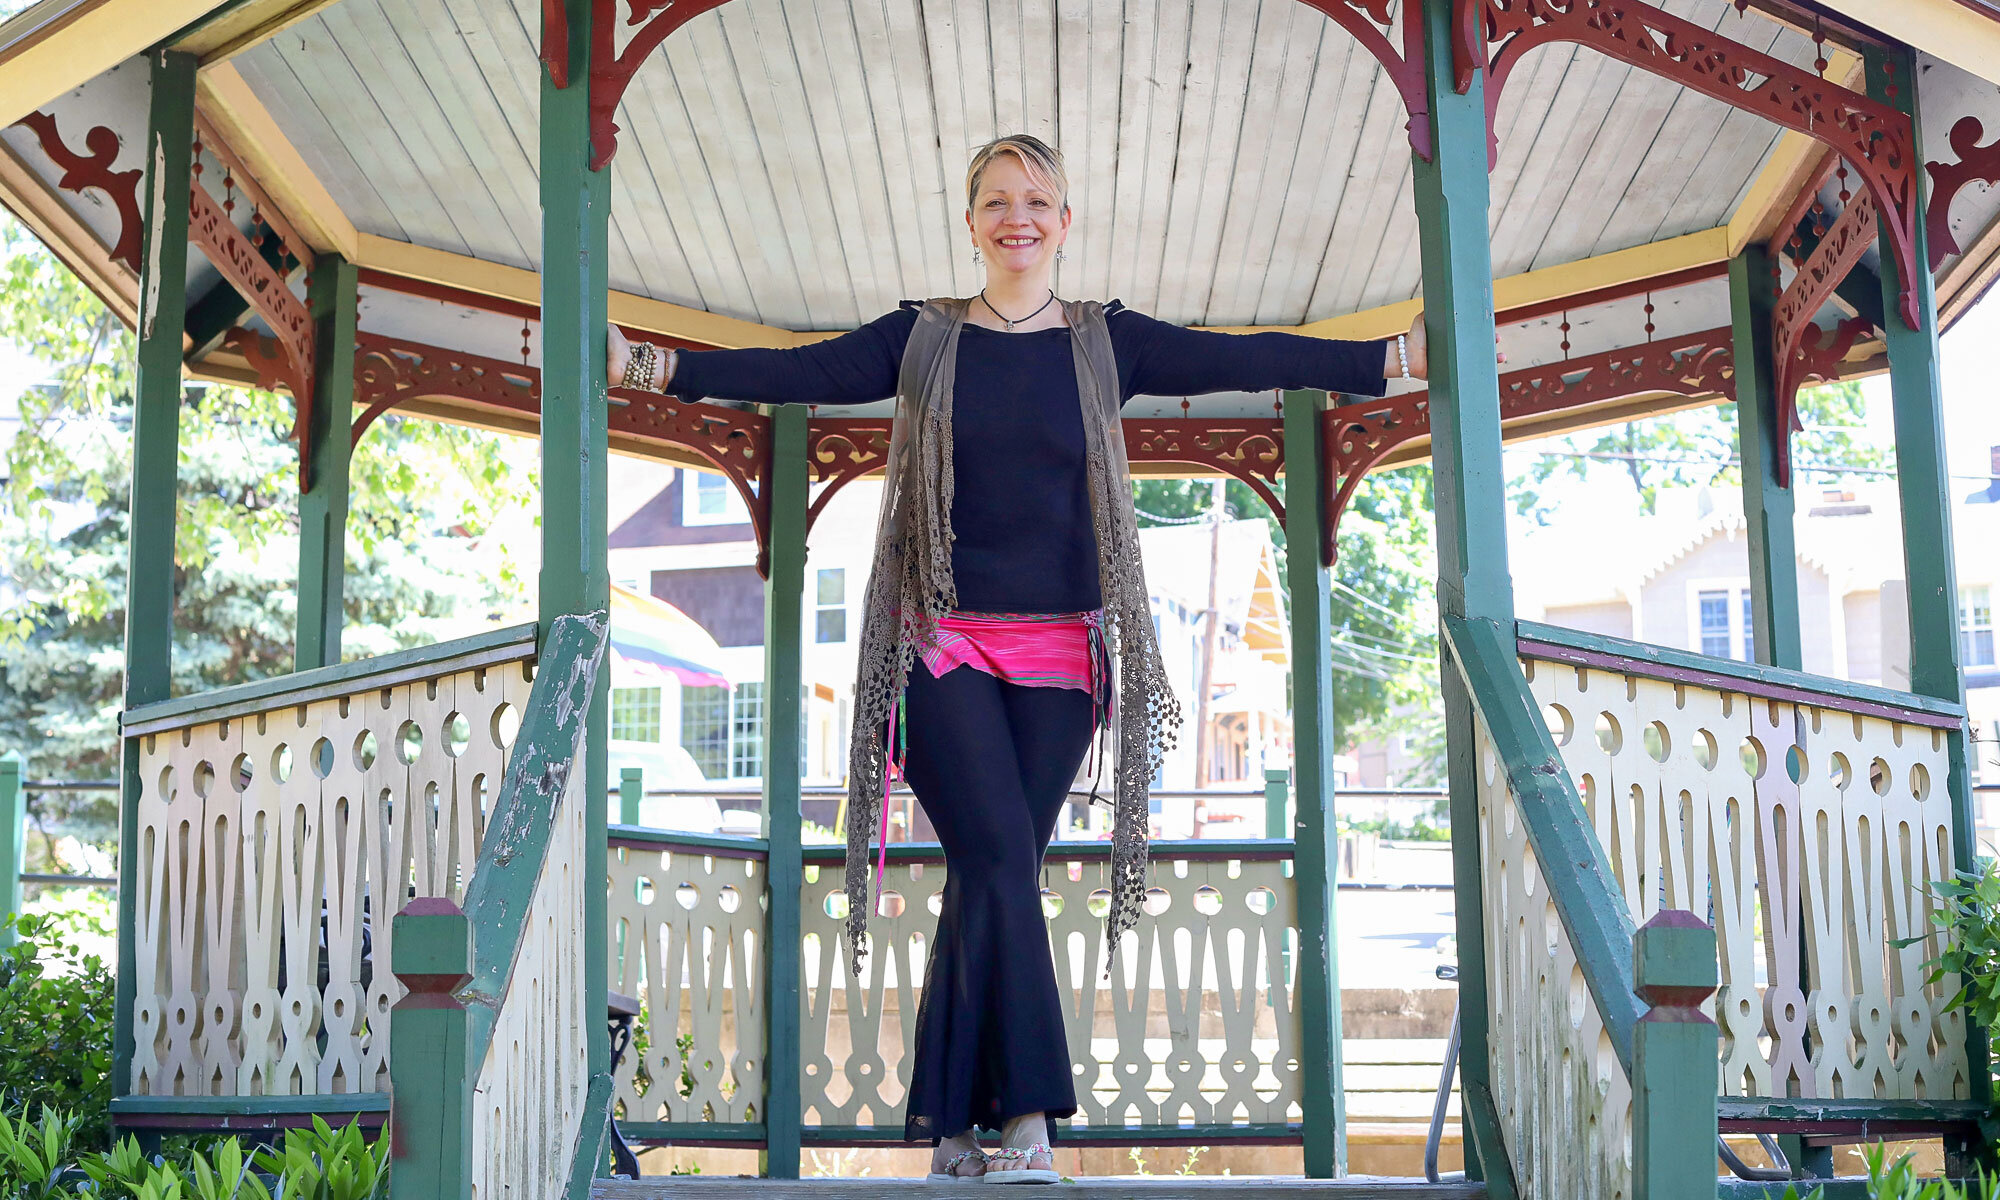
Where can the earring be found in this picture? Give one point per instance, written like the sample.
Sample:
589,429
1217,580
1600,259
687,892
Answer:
1062,254
977,258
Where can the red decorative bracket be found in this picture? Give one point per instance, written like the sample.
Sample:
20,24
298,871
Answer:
1875,137
269,295
93,170
1975,163
1359,436
1792,317
611,70
390,371
1251,449
842,450
1371,21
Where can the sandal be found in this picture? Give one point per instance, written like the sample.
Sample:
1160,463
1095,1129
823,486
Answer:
1035,1150
950,1174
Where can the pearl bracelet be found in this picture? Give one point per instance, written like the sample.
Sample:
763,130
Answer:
1403,352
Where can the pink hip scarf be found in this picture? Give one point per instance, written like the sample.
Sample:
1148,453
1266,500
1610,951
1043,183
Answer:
1029,649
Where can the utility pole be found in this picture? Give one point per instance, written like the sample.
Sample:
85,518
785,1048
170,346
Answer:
1204,739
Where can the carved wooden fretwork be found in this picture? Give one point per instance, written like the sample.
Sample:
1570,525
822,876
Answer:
288,360
1875,137
1359,436
1976,163
1795,339
1251,449
838,452
390,371
93,170
1371,23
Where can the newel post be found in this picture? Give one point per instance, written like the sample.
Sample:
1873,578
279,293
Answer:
1674,1059
431,1073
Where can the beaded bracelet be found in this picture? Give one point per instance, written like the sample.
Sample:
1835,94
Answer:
1403,352
639,367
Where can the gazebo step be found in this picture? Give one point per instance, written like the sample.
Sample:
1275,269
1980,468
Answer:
693,1187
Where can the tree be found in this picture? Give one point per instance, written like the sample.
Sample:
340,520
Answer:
421,558
1384,586
1699,446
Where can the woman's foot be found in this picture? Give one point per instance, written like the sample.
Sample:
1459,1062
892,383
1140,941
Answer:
1024,1155
958,1158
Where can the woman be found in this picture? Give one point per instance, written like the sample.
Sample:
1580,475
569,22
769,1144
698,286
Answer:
1007,617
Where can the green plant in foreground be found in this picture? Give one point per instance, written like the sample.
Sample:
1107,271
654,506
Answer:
1968,913
55,1025
1899,1181
32,1155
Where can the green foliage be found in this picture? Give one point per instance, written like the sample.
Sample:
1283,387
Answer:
423,557
39,1161
55,1024
1699,446
1968,912
1899,1181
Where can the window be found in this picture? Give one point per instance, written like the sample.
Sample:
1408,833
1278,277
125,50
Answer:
830,621
746,742
1715,623
635,714
705,729
1721,619
709,499
1975,626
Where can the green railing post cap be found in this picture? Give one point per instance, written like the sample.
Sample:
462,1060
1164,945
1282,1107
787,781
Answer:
433,946
1673,960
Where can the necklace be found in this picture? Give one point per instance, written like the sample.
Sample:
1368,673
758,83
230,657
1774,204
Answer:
1013,321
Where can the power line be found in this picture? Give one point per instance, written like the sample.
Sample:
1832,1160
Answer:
1673,460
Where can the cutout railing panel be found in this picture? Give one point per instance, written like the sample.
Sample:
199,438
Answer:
1197,1024
280,825
1563,1099
687,935
1804,826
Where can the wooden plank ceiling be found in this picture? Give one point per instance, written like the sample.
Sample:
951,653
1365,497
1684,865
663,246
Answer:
799,162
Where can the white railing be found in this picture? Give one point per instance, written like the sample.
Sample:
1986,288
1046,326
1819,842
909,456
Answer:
1809,828
279,826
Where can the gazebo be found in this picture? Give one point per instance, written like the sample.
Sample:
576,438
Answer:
435,206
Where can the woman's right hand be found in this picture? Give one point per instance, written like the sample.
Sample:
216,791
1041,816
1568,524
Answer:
617,353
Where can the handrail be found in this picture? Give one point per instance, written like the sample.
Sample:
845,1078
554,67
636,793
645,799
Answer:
1577,871
518,832
1552,642
340,679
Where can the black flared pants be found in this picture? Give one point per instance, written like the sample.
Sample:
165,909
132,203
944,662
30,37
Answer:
991,762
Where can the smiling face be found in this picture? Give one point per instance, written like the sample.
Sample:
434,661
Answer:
1017,219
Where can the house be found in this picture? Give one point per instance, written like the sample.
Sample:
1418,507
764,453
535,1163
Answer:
1680,577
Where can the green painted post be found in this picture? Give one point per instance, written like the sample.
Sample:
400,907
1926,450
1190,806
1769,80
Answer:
631,789
156,405
1315,847
576,574
1277,792
431,1071
1469,486
1673,1108
1923,485
323,505
1767,506
13,840
784,626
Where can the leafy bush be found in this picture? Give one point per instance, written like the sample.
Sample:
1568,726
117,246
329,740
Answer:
38,1162
1969,914
55,1026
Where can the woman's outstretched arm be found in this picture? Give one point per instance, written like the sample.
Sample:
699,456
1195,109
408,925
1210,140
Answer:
1160,359
854,368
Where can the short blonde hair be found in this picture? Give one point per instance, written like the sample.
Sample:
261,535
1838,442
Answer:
1041,161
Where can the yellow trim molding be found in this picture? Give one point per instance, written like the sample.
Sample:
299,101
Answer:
1785,172
245,26
225,98
1952,31
62,44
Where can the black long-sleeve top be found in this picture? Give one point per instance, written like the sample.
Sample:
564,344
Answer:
1021,507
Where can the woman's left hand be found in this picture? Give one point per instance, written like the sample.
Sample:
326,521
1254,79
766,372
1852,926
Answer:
1418,344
